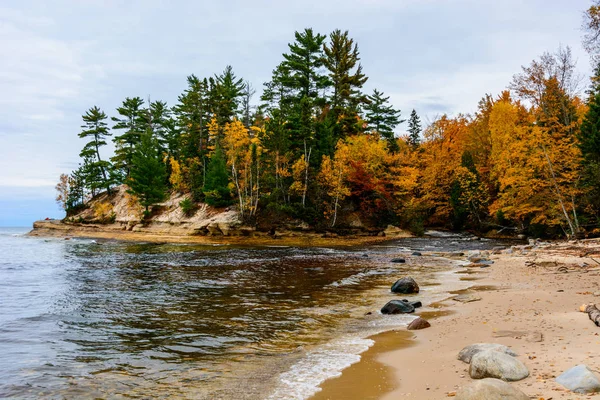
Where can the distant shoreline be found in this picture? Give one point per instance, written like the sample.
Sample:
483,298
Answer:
59,229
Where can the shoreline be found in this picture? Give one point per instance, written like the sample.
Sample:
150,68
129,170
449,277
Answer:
58,229
524,298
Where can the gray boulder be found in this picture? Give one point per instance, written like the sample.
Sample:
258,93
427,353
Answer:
494,364
490,389
579,379
406,286
468,352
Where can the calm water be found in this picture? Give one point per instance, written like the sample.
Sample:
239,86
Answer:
87,319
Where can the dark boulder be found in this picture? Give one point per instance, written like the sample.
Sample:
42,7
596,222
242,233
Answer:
415,304
397,307
417,253
398,260
405,285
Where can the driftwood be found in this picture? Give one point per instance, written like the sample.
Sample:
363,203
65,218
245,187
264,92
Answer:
592,311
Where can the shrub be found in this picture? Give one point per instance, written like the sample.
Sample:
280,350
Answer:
188,207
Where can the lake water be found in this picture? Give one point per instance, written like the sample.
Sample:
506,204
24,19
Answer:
83,318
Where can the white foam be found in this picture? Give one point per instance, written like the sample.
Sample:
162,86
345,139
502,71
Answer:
357,278
302,380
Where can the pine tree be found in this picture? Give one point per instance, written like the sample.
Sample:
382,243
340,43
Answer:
96,129
225,94
132,122
414,130
148,175
216,186
383,118
162,125
345,72
589,144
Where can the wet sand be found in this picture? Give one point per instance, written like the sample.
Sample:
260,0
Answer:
530,294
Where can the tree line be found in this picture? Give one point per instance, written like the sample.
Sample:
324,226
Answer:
319,149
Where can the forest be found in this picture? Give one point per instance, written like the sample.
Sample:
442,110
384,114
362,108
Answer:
315,147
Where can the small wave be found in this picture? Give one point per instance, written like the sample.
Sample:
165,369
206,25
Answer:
302,380
357,278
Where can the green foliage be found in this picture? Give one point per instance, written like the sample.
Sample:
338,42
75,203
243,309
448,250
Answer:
383,118
345,73
188,207
97,172
216,187
134,123
148,175
414,130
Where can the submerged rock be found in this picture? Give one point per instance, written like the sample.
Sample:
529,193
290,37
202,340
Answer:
468,352
419,323
579,379
398,260
405,285
490,389
397,307
494,364
467,298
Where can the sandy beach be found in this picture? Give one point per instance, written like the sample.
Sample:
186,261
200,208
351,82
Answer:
530,299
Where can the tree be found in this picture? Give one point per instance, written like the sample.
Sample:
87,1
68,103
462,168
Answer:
96,129
148,175
589,144
591,27
132,122
247,107
383,118
62,191
162,125
216,185
414,130
333,178
345,72
225,93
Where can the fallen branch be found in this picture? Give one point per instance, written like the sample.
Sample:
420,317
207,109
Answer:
592,311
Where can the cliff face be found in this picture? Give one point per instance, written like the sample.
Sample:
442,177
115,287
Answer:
121,212
120,215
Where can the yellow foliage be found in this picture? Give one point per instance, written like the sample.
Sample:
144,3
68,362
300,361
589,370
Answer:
177,179
103,212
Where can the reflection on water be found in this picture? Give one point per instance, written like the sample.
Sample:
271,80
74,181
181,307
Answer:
89,319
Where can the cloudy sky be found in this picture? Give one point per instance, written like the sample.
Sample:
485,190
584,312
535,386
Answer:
61,57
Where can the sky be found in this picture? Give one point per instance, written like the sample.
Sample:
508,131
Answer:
59,58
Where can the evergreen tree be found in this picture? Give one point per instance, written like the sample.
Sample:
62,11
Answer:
162,125
383,118
345,73
414,130
148,175
96,129
304,61
225,94
216,186
589,144
132,122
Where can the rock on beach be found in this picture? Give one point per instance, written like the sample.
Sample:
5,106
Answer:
494,364
490,389
397,307
468,352
405,285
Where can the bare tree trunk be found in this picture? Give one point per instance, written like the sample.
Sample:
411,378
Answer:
307,161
